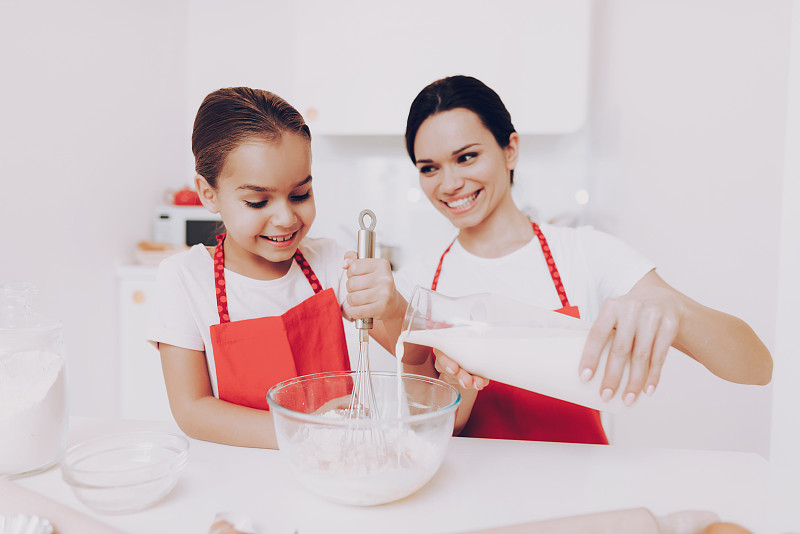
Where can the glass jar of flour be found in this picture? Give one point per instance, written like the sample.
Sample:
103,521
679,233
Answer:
33,389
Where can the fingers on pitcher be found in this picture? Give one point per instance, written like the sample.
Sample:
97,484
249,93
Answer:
618,357
593,349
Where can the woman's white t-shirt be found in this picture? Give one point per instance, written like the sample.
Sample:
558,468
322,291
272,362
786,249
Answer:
594,266
186,304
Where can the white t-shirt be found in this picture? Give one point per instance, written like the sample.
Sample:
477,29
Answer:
593,265
186,304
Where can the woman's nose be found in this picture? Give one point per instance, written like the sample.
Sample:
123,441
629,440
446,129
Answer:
452,180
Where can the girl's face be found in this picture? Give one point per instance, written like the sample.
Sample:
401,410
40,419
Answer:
462,169
264,197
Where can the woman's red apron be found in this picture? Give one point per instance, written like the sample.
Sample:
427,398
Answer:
507,412
251,356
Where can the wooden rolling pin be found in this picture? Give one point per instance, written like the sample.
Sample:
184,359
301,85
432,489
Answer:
629,521
15,499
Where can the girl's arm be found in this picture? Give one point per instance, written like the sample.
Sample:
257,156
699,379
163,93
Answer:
201,415
653,316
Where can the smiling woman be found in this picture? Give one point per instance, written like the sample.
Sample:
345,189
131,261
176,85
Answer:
461,138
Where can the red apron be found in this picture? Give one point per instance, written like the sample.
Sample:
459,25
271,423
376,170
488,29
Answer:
507,412
251,356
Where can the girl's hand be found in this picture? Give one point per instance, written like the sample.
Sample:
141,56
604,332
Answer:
641,326
453,374
371,292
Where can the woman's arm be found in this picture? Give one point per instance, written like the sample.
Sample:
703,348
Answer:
420,360
653,316
201,415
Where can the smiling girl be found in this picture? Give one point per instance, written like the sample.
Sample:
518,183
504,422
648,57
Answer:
463,143
266,303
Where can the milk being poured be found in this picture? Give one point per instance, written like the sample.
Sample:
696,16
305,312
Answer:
543,360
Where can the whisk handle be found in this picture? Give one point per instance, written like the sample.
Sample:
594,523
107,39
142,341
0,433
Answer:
366,249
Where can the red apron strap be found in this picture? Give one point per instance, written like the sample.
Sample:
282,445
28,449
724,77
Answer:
551,265
219,281
219,277
307,271
439,267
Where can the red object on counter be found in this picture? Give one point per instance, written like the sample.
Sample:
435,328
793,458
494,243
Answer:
186,197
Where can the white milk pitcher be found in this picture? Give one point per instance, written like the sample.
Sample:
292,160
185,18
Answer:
510,342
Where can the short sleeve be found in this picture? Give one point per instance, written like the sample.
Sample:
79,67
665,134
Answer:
615,266
172,320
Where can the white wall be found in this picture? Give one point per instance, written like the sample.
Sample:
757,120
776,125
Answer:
785,422
91,105
689,105
683,154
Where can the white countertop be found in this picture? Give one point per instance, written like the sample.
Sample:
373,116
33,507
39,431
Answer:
481,484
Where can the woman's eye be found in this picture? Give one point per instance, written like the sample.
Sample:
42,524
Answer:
301,198
467,157
255,205
426,169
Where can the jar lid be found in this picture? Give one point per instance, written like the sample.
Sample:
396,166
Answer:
16,312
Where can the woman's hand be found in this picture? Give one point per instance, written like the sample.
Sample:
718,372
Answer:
467,384
640,327
453,374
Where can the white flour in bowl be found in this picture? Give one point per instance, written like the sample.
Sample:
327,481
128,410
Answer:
363,476
33,411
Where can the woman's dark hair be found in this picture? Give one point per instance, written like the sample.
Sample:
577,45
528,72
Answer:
229,117
460,92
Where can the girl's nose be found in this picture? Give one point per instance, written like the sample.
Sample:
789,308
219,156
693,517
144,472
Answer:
283,216
452,180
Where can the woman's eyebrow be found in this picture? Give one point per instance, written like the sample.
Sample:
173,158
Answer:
463,148
453,153
260,189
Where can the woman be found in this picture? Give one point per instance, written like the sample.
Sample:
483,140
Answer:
461,138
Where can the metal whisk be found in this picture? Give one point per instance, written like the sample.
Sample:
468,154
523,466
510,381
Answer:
365,439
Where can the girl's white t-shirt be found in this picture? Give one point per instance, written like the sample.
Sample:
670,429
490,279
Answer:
186,304
594,266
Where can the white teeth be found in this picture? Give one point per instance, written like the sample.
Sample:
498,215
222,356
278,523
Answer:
279,239
463,202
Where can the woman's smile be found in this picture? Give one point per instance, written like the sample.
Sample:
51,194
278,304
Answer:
462,203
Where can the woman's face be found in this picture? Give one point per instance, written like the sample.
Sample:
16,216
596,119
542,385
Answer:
462,169
264,197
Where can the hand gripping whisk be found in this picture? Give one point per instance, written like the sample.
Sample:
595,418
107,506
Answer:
365,440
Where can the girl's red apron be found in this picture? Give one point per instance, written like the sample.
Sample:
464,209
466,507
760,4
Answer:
507,412
251,356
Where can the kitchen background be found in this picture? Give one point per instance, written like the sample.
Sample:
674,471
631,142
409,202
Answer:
663,123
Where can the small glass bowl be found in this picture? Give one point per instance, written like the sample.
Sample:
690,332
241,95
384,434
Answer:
126,472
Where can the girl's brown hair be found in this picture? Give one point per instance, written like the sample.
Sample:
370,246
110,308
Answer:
234,115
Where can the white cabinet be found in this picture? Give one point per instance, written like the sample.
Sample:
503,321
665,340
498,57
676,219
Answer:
143,394
359,64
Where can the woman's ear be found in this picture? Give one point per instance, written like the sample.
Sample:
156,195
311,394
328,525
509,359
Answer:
207,194
512,151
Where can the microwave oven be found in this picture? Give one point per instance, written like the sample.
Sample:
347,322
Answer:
186,225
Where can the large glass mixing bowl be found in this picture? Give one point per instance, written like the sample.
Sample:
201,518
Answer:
363,461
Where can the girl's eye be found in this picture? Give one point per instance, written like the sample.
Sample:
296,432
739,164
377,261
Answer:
255,205
302,198
463,158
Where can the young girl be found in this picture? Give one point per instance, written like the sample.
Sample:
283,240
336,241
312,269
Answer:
265,304
461,138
